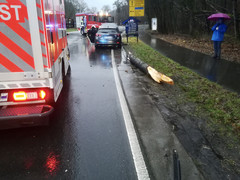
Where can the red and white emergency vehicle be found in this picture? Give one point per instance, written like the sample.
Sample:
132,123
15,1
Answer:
34,58
85,21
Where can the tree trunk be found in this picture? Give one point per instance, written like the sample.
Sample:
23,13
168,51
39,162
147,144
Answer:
235,19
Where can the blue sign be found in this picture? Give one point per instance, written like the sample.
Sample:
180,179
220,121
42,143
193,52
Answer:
131,25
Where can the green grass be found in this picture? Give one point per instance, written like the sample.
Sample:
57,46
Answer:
220,106
71,29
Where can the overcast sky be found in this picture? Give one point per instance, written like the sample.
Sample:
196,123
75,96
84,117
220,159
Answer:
99,3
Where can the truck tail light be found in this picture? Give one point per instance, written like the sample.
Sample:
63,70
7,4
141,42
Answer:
42,94
20,96
30,95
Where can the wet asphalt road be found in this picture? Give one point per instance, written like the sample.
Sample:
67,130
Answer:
87,137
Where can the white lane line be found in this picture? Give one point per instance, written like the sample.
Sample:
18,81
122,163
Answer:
139,162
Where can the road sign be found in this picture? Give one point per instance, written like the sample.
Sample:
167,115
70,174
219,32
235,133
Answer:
131,25
154,24
136,8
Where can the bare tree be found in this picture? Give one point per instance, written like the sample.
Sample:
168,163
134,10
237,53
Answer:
106,8
190,16
235,19
82,6
74,6
121,11
92,10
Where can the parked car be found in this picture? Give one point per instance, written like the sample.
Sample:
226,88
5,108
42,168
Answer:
108,35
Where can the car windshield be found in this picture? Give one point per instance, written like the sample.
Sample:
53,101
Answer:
107,31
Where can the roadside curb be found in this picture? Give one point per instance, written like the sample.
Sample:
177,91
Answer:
157,140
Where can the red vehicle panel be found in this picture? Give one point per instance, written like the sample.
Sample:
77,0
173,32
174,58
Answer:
86,20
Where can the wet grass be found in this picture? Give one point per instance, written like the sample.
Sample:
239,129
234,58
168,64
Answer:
220,106
71,29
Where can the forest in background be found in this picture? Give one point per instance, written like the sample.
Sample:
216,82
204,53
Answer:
190,16
185,16
174,16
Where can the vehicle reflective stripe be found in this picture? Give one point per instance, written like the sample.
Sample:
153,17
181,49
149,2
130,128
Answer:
40,19
23,2
25,25
43,50
42,32
45,63
43,35
16,27
9,65
15,42
3,69
38,4
11,56
8,43
17,39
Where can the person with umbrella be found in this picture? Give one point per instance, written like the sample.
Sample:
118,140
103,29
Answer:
218,32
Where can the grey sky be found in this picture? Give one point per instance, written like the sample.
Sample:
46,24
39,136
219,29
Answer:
99,3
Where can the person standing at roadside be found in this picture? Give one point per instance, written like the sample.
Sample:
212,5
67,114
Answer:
92,33
218,34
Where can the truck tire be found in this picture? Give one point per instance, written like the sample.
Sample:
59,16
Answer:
63,70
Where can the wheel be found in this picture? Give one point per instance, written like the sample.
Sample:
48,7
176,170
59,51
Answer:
69,70
63,70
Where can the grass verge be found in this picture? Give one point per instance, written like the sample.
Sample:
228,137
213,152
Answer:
220,106
71,29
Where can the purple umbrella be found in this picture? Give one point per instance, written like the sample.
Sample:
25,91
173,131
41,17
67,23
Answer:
215,17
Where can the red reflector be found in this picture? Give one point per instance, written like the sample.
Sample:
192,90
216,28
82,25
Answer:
42,94
20,96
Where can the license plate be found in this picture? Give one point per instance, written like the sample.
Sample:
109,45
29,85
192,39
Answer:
4,97
32,95
108,37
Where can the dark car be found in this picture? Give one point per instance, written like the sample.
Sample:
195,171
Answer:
108,35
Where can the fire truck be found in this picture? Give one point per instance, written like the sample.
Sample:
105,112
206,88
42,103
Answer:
34,59
85,21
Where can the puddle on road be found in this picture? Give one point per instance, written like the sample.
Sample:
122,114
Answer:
223,72
101,56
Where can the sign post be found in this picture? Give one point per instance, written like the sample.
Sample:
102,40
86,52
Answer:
136,9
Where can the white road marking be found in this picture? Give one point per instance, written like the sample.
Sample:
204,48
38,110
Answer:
138,159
